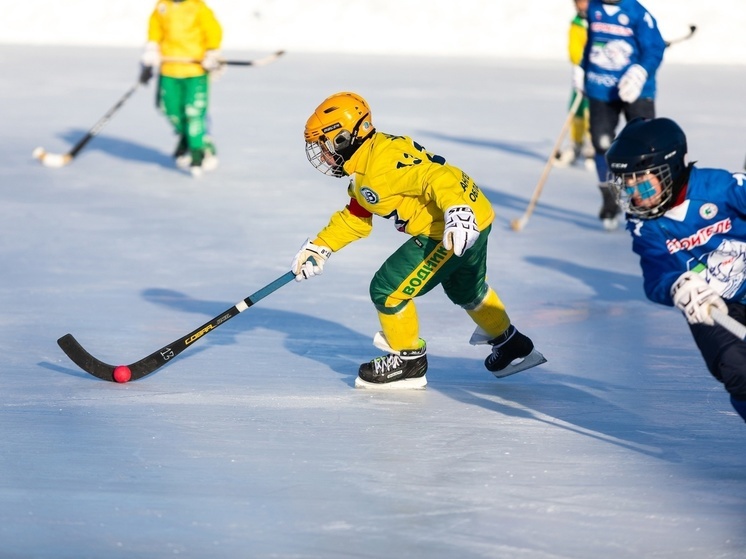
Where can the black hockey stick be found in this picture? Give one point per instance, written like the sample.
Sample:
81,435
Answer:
692,29
60,160
157,359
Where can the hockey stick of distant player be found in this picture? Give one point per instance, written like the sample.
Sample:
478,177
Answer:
157,359
257,62
60,160
729,323
692,29
520,223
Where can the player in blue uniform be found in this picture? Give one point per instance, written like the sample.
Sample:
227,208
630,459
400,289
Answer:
617,73
688,226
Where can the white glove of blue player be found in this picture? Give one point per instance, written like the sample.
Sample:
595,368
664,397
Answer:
632,82
692,294
461,229
309,261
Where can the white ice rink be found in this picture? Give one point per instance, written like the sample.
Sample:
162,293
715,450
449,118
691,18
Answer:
254,443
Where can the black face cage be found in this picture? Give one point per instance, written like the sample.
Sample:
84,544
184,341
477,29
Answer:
626,185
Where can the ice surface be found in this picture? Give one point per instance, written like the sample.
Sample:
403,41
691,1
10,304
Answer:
254,442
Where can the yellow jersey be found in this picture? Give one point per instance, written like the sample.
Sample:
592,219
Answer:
396,178
184,30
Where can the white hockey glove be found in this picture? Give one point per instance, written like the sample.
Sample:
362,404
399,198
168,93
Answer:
461,229
151,56
692,294
632,82
211,61
149,62
578,78
310,260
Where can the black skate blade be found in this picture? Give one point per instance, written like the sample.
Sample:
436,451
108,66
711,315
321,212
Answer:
531,360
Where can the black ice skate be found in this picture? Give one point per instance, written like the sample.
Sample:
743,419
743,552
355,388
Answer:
182,155
609,209
395,371
512,352
198,155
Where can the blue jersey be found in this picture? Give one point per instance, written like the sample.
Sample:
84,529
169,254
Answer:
620,35
706,233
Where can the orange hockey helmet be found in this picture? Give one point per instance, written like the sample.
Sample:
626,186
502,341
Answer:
338,126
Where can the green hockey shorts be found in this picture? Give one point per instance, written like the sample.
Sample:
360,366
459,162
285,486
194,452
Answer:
422,263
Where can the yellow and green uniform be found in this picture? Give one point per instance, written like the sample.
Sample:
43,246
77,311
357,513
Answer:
578,36
395,178
185,30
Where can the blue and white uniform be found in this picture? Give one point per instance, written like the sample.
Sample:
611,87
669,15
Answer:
620,35
704,233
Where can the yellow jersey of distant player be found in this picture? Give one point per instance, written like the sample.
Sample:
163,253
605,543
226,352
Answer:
184,30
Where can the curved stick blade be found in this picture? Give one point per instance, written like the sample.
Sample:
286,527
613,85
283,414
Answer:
85,360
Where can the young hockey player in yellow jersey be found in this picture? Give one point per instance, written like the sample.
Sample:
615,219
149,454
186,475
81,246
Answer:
448,219
581,149
183,39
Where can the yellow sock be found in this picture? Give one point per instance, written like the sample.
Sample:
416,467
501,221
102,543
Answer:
578,129
402,330
490,315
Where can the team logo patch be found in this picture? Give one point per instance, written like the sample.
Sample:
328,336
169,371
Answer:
623,19
370,196
708,210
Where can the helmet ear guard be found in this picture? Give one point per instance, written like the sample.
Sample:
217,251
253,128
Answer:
342,141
